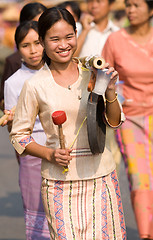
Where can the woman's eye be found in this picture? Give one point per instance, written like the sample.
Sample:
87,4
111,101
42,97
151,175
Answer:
69,37
24,46
54,39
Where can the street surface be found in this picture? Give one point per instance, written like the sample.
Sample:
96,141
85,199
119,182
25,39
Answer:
11,211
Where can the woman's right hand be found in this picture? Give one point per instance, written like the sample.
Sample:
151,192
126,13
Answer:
9,119
86,20
61,157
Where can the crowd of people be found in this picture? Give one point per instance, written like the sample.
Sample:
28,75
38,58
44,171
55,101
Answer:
43,74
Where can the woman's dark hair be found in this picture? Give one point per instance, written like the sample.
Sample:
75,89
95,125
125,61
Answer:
74,6
23,29
48,18
31,10
111,1
150,4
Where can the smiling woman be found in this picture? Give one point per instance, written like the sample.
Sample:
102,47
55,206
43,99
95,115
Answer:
84,202
60,44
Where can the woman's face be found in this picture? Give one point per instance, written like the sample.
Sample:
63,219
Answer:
31,50
137,12
60,42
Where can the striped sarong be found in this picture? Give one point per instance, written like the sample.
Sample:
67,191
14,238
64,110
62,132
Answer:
30,186
135,138
85,209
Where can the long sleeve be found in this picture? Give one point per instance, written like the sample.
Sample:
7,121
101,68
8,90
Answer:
10,96
24,119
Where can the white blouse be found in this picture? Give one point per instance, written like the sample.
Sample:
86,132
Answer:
42,95
12,88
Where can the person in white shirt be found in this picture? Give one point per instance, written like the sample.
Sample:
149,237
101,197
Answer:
31,51
96,27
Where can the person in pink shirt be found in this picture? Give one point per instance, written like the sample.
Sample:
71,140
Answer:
130,51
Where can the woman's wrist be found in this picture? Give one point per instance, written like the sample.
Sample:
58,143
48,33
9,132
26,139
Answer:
110,95
49,154
113,100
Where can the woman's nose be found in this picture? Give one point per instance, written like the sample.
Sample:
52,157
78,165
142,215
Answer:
63,43
32,48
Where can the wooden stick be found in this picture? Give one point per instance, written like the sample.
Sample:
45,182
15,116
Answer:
62,143
61,137
5,116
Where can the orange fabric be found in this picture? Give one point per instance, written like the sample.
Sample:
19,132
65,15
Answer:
134,64
9,37
142,202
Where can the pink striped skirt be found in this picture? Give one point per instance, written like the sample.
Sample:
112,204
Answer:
84,210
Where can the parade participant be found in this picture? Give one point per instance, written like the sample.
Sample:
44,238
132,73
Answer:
96,28
30,49
84,202
30,11
133,60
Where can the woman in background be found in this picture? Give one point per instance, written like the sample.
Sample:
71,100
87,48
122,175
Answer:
31,51
30,11
130,51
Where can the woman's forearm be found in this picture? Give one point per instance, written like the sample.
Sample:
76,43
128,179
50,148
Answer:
113,110
59,156
40,151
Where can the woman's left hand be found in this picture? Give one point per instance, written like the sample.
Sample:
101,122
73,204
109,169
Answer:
113,78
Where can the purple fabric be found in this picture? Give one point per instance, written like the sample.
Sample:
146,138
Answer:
30,186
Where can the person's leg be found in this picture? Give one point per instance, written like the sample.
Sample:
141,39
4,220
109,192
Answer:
136,144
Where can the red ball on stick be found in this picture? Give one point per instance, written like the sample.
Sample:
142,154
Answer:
59,117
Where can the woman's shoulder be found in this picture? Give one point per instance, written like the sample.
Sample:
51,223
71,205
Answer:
15,77
19,76
40,77
117,34
117,38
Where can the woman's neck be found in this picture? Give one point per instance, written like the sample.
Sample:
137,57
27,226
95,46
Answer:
141,33
140,30
60,67
39,66
64,74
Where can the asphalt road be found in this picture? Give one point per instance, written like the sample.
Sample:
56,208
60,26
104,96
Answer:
11,211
